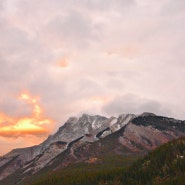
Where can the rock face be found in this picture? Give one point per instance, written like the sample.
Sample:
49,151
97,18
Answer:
84,138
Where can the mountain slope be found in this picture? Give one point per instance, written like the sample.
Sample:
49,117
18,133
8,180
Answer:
87,128
89,138
163,166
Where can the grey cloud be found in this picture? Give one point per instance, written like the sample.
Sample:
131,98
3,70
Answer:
147,59
177,8
26,61
107,5
14,107
131,103
60,96
73,4
89,86
73,29
13,40
1,5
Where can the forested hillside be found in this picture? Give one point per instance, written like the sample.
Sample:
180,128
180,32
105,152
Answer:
163,166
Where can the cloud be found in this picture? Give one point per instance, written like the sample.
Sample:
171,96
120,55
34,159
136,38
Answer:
86,56
29,129
1,4
34,124
130,103
8,143
63,63
104,6
72,30
14,107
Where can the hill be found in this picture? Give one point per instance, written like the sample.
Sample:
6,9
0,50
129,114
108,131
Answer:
163,166
93,144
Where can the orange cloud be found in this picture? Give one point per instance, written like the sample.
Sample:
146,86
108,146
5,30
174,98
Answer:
8,143
99,99
35,124
4,119
63,63
129,51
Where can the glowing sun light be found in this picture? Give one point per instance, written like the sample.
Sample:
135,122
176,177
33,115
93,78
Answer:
36,123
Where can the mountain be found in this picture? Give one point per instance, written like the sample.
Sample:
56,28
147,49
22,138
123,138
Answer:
86,139
163,166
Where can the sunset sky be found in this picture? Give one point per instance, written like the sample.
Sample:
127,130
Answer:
62,58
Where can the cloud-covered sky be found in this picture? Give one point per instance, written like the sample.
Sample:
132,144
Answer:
62,58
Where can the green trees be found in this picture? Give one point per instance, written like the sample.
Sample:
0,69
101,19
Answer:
163,166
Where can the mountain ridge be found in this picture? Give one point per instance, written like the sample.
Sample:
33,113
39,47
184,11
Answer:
86,137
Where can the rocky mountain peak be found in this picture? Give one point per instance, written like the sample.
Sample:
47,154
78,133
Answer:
72,119
128,133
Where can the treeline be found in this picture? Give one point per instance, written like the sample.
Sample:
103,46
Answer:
163,166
